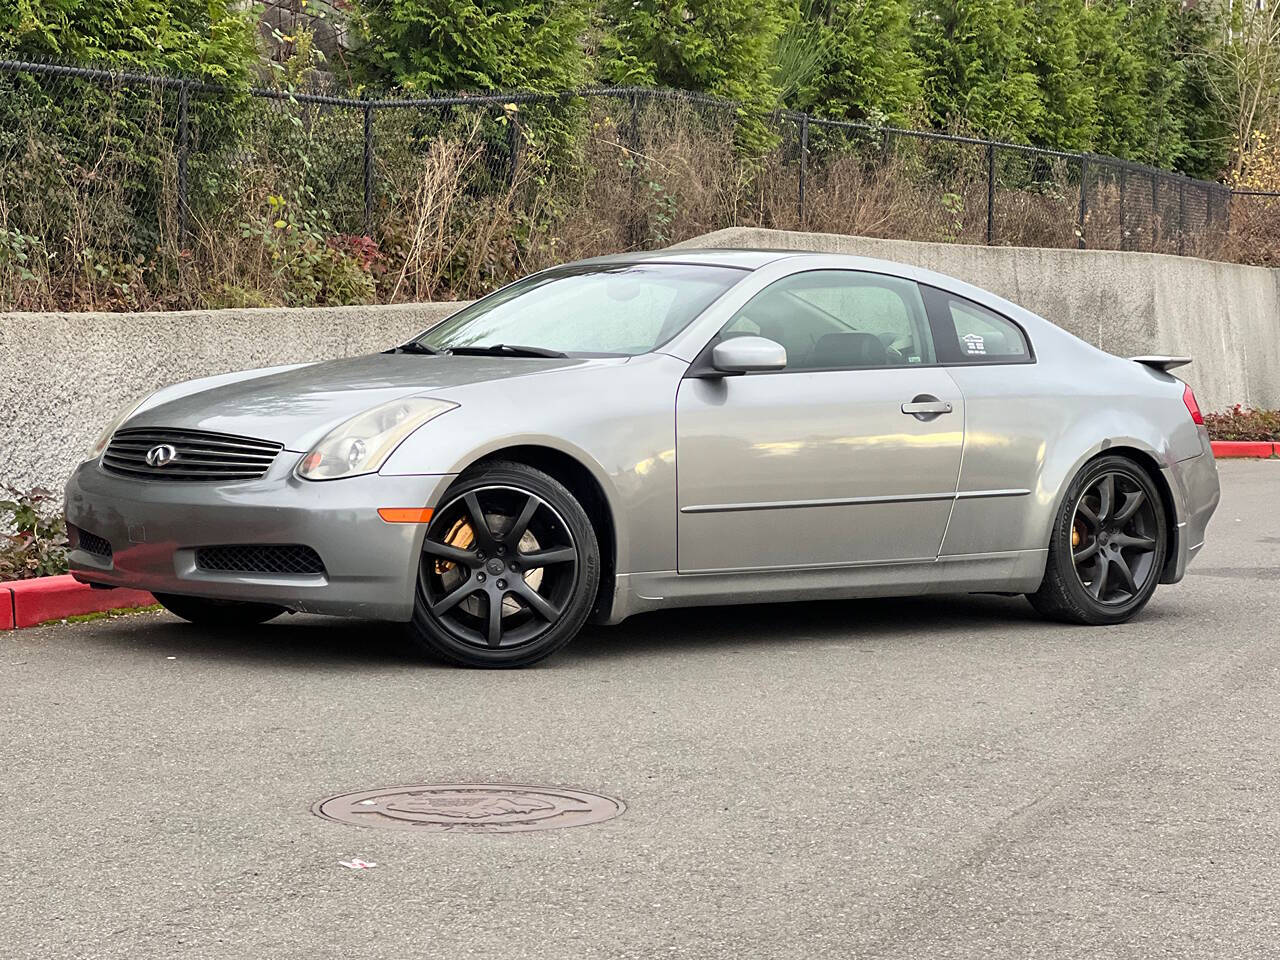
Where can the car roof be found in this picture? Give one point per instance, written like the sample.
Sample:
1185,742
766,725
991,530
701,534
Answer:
754,259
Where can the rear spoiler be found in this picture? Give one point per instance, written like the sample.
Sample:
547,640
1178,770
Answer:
1162,363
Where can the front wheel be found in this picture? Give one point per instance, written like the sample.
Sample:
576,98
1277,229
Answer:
508,572
218,613
1108,546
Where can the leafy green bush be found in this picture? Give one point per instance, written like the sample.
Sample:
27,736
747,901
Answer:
1244,423
308,264
37,545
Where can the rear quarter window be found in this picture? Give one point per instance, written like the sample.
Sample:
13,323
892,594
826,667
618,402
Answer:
969,333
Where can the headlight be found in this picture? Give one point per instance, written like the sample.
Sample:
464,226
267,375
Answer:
124,414
363,443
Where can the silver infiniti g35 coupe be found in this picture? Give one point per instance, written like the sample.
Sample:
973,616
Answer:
656,430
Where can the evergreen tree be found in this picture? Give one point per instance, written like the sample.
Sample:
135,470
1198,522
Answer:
978,75
447,45
1069,118
865,68
1152,39
198,38
721,47
1207,128
1117,73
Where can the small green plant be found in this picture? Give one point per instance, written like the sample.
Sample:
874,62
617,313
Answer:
953,207
308,265
37,545
18,253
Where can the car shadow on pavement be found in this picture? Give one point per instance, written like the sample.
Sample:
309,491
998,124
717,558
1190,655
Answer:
289,640
821,621
325,641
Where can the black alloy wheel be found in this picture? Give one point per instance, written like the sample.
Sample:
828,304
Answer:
1113,539
508,570
1108,545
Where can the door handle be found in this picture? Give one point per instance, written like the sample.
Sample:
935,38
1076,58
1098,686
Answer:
924,406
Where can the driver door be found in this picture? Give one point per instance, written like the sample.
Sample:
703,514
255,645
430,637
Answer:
819,464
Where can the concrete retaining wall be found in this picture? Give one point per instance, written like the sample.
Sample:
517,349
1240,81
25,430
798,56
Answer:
63,375
1224,315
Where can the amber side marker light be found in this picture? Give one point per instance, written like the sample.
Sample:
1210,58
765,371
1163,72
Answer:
405,514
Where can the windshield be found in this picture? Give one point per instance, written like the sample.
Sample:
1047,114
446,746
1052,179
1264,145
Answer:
609,309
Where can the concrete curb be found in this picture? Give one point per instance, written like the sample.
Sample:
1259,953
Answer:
1245,448
26,603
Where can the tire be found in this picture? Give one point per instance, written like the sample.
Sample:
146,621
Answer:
218,613
483,597
1093,544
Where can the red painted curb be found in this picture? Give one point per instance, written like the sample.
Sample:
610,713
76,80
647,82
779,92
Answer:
1244,448
56,598
6,608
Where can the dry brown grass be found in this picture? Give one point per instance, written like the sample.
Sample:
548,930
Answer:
456,217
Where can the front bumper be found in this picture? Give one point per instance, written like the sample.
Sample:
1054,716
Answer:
154,528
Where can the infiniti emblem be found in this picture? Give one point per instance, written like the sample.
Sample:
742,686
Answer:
161,456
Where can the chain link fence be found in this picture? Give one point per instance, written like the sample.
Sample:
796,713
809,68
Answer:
128,191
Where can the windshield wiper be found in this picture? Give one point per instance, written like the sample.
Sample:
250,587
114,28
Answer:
413,346
506,350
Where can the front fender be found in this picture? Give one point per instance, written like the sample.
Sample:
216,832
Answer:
617,422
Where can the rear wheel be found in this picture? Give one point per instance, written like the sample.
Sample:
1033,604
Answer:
508,571
218,613
1107,548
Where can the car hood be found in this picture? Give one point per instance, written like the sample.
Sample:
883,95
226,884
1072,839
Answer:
297,406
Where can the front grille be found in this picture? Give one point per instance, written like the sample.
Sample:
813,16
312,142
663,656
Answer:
92,543
196,455
256,558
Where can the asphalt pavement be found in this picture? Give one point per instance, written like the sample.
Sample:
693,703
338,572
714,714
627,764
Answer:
934,778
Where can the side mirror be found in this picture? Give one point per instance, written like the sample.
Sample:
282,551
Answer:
748,355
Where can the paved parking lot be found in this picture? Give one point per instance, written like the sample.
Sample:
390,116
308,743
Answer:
907,778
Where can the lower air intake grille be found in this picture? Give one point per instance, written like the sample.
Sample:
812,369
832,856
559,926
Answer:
255,558
92,543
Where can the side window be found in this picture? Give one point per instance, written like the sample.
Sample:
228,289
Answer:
970,333
840,319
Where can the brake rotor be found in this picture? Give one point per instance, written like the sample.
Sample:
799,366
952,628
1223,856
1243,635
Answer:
463,537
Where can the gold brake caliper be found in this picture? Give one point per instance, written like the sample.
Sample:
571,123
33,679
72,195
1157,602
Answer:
1075,535
461,536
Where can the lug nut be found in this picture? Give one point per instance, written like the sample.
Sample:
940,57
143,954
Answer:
479,554
480,577
502,551
514,565
502,584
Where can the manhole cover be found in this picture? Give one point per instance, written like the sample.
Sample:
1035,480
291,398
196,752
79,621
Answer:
469,808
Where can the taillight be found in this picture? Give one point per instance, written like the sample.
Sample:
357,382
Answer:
1193,408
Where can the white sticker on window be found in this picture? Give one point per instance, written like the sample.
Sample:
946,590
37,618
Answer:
973,343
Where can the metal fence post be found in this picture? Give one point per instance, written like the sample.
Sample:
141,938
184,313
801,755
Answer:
1182,215
184,147
991,193
513,147
367,167
637,223
1084,198
1124,232
804,167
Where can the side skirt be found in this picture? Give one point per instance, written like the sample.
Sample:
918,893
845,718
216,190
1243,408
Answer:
1014,571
